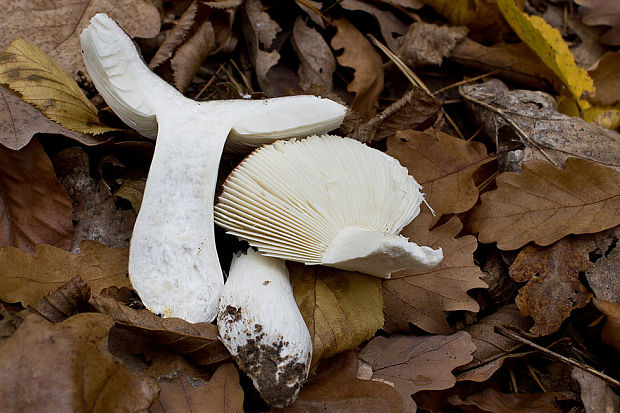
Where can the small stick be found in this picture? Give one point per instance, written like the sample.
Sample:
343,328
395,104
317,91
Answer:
465,81
209,83
513,381
507,333
535,377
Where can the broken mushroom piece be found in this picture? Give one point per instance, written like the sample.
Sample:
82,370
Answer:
260,324
173,263
326,200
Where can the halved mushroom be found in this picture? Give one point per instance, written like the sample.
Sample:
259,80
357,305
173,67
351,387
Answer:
173,263
326,200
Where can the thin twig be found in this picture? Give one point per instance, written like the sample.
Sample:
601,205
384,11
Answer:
210,82
507,333
513,381
535,377
466,81
234,82
246,82
314,9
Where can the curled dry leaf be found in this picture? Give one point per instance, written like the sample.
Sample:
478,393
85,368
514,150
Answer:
611,331
19,122
422,297
603,12
491,348
443,165
66,367
335,388
533,122
9,321
553,289
26,69
317,63
132,190
413,364
544,204
55,27
63,302
34,207
198,341
390,26
184,394
360,55
342,309
490,400
606,79
26,278
596,394
427,44
603,276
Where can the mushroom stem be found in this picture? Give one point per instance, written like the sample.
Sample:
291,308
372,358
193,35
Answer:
260,324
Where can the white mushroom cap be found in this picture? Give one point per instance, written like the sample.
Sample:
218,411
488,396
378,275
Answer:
326,200
260,324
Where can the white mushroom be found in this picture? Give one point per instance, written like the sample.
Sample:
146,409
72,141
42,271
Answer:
260,324
173,263
326,200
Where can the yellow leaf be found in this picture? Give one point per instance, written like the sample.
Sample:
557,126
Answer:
342,309
605,116
548,44
28,70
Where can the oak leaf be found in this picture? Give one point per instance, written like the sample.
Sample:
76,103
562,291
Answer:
62,303
414,364
427,44
389,25
66,367
421,297
34,207
184,394
553,288
27,277
490,400
342,309
335,388
26,69
317,63
603,12
361,56
544,204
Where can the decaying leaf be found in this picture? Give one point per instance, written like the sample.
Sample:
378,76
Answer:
492,348
26,69
317,63
596,394
490,400
335,389
603,276
342,309
606,80
443,164
34,207
132,190
427,44
361,56
9,321
603,12
26,278
414,364
66,367
63,302
56,26
19,122
548,44
421,298
611,331
553,289
184,394
198,341
391,27
533,122
544,204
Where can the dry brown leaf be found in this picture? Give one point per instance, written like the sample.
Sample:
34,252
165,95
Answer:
19,122
492,348
596,395
34,207
603,12
611,331
132,190
427,44
533,122
422,297
175,36
390,26
335,389
198,341
66,367
603,276
443,164
605,76
313,10
317,63
95,214
544,204
414,364
183,393
501,287
360,55
553,289
490,400
342,309
9,321
55,26
27,277
63,302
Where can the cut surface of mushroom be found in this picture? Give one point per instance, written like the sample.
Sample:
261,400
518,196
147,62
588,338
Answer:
260,324
326,200
173,263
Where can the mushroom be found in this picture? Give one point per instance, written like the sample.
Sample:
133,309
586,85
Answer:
260,324
326,200
173,262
